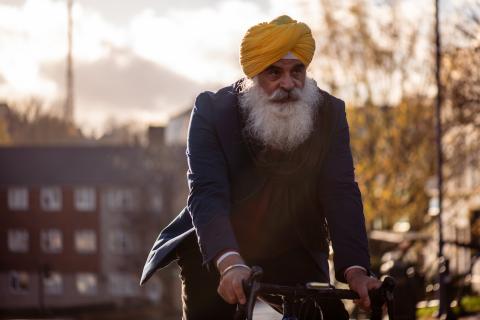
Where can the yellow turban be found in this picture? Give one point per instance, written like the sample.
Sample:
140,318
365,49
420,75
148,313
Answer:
266,43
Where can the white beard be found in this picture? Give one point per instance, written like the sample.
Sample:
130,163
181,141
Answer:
280,126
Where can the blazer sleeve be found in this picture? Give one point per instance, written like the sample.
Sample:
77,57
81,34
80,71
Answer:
342,201
209,186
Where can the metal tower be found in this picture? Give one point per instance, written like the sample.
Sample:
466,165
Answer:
69,101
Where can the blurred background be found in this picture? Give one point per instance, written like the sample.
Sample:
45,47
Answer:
95,98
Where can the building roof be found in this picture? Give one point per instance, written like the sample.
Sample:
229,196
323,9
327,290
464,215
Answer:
70,165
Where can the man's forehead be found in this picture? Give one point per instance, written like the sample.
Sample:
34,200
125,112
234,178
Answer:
282,63
290,55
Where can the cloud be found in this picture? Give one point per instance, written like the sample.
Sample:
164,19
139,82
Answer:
117,12
133,59
12,2
203,43
200,44
126,86
35,33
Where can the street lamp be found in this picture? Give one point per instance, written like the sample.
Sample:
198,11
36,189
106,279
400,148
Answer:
444,311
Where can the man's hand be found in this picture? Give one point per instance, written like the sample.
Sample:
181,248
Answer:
230,287
359,282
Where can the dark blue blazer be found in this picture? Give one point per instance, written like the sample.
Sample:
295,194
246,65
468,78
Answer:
220,174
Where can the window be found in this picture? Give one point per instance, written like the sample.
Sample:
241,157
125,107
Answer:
154,290
156,200
51,199
85,199
87,283
475,226
18,198
476,177
120,199
53,283
123,284
85,241
51,240
121,242
18,240
19,282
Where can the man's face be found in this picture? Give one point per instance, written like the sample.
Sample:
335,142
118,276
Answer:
280,80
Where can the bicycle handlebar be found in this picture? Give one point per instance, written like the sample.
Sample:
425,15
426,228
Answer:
253,288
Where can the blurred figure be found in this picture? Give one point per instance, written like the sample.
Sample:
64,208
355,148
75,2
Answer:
403,265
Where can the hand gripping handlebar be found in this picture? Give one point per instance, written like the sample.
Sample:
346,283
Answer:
254,288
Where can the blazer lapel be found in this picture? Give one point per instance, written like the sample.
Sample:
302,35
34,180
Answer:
245,178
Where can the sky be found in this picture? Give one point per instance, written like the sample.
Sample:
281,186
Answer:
141,61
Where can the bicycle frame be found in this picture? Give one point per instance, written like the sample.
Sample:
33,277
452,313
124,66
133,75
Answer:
254,289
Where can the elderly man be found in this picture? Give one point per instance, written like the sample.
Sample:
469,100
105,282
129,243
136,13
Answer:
271,182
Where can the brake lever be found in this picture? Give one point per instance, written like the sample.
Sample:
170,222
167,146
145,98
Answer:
251,288
257,274
380,296
389,287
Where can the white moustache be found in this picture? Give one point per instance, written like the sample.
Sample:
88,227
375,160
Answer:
280,124
282,95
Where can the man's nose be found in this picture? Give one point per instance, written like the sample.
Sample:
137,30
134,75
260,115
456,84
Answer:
287,83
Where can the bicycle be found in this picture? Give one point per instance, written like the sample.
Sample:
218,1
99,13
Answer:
295,296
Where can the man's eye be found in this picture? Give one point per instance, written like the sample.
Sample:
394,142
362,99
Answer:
274,72
297,71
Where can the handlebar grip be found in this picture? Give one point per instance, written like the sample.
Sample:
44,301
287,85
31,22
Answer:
378,297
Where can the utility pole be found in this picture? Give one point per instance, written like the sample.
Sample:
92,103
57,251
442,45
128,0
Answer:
444,311
69,101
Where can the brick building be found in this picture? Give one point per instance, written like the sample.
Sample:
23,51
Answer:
76,223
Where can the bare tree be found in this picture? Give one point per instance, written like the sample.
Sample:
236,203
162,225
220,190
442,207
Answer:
370,55
461,80
370,52
31,123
